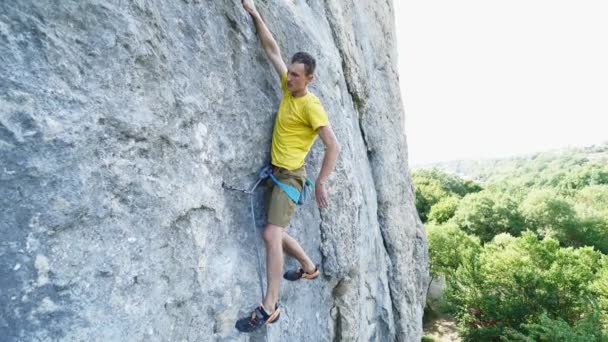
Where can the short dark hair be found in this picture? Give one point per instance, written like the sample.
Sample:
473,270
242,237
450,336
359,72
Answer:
305,58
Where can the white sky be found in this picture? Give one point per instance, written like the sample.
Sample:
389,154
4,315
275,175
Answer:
484,78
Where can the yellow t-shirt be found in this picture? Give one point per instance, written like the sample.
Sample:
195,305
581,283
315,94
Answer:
295,127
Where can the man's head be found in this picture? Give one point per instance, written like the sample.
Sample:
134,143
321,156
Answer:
300,72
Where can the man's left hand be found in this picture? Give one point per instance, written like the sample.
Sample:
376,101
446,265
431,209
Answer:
321,194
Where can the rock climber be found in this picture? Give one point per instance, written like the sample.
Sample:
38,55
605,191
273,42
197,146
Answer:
300,118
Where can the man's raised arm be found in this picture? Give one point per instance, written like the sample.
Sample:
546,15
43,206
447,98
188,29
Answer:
268,43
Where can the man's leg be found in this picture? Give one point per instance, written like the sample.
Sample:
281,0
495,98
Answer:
280,211
293,248
273,239
273,235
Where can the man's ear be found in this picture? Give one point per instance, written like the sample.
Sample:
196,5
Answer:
311,78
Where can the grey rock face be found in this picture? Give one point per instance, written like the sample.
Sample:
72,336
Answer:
119,123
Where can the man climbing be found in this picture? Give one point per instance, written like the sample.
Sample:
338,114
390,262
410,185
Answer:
299,120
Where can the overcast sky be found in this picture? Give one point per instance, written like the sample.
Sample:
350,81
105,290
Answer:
484,79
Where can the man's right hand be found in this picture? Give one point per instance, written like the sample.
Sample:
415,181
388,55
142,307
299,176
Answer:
249,6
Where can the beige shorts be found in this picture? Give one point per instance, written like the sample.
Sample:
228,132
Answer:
280,207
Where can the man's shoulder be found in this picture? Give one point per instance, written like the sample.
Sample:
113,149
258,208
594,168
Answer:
311,98
314,96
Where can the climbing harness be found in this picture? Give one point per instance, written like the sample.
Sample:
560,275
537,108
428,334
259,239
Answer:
296,196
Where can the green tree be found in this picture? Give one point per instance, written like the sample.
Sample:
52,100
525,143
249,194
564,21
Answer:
582,224
449,248
486,214
431,186
428,193
444,210
588,174
588,329
591,231
513,281
592,201
549,214
600,285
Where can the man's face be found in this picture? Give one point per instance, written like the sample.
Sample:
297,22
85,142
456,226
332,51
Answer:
297,80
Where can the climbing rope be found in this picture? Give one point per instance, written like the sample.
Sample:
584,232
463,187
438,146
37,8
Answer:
251,194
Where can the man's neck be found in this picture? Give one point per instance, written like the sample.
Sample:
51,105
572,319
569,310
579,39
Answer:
300,93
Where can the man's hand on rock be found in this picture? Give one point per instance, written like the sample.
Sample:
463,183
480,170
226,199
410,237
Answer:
321,194
249,6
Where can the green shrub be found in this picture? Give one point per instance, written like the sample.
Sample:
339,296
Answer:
588,329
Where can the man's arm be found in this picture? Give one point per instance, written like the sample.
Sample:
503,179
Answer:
268,43
332,149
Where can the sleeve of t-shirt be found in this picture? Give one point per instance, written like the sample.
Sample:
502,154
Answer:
316,115
284,82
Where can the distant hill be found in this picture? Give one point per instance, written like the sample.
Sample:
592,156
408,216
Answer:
494,170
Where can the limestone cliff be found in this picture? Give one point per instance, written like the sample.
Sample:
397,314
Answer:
119,122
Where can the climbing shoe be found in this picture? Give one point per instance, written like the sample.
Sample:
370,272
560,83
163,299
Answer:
258,318
294,275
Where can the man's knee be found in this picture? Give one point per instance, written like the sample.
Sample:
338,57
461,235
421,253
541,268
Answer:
273,234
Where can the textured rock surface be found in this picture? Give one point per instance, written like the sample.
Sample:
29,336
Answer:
119,122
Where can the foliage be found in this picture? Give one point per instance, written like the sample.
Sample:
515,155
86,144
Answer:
591,231
588,329
582,224
600,285
431,186
512,281
449,248
549,283
548,213
592,201
486,214
443,210
588,174
428,193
